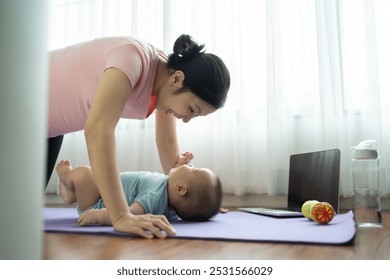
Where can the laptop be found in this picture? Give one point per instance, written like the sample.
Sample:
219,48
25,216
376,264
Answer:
312,176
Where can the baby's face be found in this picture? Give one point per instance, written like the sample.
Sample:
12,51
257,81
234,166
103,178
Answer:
192,174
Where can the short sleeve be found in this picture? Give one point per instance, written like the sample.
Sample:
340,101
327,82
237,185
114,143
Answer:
152,203
127,58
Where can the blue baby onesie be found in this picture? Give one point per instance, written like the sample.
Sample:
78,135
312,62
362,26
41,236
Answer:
147,188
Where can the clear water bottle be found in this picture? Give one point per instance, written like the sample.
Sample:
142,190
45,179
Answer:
365,171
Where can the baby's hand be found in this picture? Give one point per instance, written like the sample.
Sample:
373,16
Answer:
223,210
95,216
184,159
88,217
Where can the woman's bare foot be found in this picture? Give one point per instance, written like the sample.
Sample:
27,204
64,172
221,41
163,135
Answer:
65,186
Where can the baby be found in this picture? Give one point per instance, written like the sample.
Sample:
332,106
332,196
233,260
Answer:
193,194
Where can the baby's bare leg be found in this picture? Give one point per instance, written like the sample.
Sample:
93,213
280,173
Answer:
65,186
87,193
79,182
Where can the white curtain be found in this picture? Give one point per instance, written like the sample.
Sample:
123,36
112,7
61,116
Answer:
306,75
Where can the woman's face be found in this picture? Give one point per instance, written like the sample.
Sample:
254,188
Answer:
183,105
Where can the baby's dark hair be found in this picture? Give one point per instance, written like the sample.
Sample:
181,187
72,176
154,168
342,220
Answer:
201,203
206,75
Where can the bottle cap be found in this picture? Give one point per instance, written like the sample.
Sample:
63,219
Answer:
365,150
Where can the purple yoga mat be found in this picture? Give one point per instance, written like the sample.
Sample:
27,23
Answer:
238,226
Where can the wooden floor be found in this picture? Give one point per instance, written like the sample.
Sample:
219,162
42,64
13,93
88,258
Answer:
368,244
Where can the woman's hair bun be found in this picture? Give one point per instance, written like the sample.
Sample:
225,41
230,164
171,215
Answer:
185,47
206,75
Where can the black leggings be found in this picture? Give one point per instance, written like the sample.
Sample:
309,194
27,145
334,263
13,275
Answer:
53,149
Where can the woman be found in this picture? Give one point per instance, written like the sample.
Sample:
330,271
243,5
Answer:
95,83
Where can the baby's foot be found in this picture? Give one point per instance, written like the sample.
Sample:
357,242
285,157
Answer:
65,185
62,168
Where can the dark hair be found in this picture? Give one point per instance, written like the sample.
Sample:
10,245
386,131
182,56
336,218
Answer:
202,202
205,74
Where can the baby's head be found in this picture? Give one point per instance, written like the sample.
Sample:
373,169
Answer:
194,193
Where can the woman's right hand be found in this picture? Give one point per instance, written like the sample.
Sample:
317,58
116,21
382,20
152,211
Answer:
147,226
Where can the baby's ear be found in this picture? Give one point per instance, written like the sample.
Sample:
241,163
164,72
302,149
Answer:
181,190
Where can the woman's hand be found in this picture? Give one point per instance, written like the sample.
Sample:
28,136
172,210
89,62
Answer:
147,226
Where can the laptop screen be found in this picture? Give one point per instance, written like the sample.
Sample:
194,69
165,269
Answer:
314,176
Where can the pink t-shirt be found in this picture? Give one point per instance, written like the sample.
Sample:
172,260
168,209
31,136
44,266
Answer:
75,72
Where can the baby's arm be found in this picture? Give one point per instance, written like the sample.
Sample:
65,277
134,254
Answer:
184,159
137,209
101,217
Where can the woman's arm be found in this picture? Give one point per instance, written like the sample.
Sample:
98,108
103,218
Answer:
166,140
106,108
